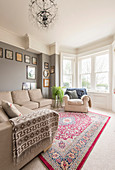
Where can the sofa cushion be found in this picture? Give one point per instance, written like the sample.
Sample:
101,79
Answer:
75,102
5,96
3,115
35,94
44,102
10,109
30,105
20,96
24,110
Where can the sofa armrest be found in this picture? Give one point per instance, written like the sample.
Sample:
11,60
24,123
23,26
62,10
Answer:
5,145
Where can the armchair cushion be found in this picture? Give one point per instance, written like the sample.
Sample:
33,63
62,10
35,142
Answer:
72,94
80,91
75,102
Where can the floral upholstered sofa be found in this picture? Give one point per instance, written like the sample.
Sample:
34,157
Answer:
27,102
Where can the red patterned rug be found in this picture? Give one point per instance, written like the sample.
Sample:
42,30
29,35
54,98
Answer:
76,137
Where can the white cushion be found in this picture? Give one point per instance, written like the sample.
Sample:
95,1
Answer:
10,109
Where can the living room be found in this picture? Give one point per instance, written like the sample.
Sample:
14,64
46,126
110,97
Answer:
75,49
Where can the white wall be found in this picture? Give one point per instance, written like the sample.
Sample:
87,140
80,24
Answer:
113,77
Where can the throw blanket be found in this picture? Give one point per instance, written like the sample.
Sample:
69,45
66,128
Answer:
30,129
89,101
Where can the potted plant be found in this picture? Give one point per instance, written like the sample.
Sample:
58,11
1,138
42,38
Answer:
57,94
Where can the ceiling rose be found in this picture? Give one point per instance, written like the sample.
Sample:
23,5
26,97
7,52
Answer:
43,12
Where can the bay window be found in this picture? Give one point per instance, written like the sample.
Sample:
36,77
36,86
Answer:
68,71
94,72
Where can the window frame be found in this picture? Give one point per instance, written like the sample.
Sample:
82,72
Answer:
93,72
68,57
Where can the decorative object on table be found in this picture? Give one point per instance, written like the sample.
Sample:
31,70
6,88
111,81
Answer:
18,57
52,69
1,52
77,134
25,86
57,94
33,85
9,54
43,12
31,72
46,73
46,65
46,82
27,59
34,60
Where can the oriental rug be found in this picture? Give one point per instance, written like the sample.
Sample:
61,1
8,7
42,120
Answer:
76,137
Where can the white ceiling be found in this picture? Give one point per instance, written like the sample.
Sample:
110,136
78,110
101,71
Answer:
78,22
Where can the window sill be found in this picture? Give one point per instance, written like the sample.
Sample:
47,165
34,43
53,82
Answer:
98,92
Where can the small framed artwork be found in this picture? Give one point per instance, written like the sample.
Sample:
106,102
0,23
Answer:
1,52
34,60
31,72
46,82
46,73
9,54
52,69
18,57
46,65
27,59
25,86
33,85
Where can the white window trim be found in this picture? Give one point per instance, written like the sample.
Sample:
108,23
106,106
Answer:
68,56
93,73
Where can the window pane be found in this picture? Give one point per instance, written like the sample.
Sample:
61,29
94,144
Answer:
86,66
67,66
102,63
102,81
67,80
86,81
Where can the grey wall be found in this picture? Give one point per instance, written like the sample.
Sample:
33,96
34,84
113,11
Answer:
13,73
53,60
41,59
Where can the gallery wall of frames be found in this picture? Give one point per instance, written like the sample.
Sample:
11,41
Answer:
18,68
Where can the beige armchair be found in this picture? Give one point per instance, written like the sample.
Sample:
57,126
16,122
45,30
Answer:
77,105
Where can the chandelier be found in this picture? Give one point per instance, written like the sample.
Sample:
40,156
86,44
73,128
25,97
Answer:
43,12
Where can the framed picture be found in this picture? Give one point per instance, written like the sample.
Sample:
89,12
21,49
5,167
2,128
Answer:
27,59
34,60
46,73
46,65
1,52
33,85
9,54
31,72
25,86
18,57
52,69
46,82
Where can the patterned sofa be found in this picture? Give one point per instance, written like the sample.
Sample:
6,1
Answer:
26,101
